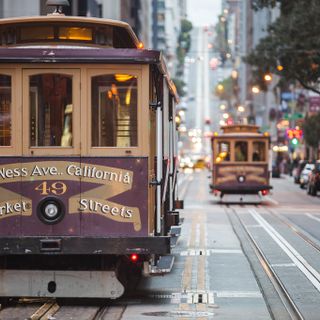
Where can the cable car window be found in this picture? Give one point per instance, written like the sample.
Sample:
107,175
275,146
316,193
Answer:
50,110
259,151
36,33
74,33
114,110
5,110
223,151
241,151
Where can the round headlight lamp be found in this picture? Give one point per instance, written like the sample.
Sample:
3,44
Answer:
241,179
50,210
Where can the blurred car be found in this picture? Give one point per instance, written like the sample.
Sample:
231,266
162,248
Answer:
314,180
186,163
297,171
275,170
200,164
304,176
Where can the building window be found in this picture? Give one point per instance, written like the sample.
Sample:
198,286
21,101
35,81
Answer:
114,110
161,17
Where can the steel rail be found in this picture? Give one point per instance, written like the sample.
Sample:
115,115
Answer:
283,294
106,312
295,229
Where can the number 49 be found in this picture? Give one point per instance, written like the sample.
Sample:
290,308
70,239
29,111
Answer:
57,188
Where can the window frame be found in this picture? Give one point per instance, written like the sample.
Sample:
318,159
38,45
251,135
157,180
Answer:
248,143
217,150
115,151
265,151
76,101
16,115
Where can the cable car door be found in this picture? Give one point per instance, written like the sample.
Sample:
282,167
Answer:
51,151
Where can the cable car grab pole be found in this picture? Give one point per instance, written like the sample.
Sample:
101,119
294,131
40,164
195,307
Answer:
159,167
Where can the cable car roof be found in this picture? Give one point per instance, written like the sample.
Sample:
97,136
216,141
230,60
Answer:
240,128
15,26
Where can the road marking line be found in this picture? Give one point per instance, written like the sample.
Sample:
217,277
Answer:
198,235
238,294
283,265
226,251
187,272
201,279
293,254
312,216
254,226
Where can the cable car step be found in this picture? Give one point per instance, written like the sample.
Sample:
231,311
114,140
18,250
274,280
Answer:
163,266
175,231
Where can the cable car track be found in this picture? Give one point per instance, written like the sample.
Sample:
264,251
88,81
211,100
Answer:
295,229
30,309
290,306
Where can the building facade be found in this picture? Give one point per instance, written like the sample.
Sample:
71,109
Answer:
246,28
166,26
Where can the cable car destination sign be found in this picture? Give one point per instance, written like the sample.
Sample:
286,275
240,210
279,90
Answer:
99,183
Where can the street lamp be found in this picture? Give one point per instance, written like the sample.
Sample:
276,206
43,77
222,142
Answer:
279,67
267,77
255,89
234,74
220,87
241,109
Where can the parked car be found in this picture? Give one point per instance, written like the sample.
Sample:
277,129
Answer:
304,176
297,171
314,180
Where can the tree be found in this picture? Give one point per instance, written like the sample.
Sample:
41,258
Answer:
180,84
311,129
293,42
224,90
285,5
184,43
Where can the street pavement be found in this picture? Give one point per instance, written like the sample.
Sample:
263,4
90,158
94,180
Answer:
217,275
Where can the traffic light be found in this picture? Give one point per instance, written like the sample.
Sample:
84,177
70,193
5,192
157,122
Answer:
295,142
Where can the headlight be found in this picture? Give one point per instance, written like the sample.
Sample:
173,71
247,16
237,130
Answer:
50,210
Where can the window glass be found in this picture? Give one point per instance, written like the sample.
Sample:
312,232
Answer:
75,33
114,110
36,33
104,36
51,110
161,17
259,151
241,151
223,151
5,110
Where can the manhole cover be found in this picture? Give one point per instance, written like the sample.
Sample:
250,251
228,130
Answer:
187,314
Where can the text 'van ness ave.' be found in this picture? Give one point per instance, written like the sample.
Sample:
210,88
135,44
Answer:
75,170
